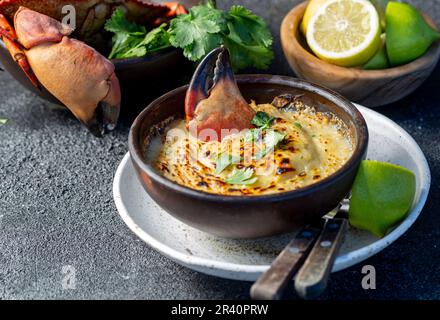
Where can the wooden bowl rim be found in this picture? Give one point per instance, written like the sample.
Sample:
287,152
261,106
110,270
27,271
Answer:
290,39
121,63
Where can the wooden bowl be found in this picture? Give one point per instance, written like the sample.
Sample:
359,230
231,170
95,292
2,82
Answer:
371,88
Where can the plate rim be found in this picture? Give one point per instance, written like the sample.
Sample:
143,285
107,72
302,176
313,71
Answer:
342,262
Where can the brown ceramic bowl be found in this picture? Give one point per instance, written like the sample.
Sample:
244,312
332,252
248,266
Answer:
252,216
141,79
369,87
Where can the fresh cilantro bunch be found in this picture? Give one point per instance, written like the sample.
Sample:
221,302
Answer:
131,40
204,28
198,32
201,30
248,39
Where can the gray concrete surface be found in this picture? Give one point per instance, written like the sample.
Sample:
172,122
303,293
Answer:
56,207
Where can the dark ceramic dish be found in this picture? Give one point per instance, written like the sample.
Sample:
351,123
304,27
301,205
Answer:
141,79
256,216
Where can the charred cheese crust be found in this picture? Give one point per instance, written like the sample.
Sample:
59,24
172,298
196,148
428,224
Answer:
315,146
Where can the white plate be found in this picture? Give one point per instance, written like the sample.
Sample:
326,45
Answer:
247,259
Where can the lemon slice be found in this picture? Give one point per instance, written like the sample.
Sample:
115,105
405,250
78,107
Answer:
311,9
345,32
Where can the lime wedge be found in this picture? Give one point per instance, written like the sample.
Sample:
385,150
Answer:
344,32
379,60
408,34
382,195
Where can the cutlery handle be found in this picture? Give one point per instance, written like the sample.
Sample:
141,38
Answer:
271,285
312,278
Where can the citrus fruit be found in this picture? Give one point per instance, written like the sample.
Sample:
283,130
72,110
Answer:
382,195
408,34
344,32
380,59
311,9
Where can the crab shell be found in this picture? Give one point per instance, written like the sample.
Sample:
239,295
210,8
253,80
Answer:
73,72
220,111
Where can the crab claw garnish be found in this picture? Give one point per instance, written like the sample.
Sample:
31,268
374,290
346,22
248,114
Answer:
80,77
214,113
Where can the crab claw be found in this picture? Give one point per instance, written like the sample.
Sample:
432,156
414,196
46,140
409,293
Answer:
73,72
215,113
9,37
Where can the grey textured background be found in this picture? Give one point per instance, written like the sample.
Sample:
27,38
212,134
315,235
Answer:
56,207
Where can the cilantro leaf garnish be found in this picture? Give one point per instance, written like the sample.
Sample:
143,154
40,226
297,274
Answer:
223,161
298,125
271,141
262,120
271,137
252,135
242,176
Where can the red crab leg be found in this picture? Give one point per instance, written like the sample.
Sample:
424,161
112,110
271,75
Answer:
198,90
220,109
7,34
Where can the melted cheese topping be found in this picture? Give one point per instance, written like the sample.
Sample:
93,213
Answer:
315,146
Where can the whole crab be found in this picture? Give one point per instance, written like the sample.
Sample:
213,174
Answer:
56,56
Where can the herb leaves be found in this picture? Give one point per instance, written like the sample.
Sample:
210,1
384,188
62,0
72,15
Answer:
267,139
262,120
242,176
197,32
131,40
223,161
248,39
271,140
201,30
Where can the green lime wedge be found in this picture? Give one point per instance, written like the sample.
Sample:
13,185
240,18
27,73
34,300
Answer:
408,34
382,195
379,60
